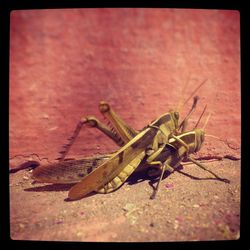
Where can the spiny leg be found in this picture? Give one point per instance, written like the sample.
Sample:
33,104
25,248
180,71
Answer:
122,128
121,135
94,123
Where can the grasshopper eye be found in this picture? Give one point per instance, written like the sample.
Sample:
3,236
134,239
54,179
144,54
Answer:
176,115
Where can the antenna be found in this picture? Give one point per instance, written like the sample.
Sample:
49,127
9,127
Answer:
226,142
190,96
213,136
183,91
183,123
209,115
196,125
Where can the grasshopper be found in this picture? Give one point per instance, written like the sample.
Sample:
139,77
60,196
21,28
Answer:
114,172
134,146
158,147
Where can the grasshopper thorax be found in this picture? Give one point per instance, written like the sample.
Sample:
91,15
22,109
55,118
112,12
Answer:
167,123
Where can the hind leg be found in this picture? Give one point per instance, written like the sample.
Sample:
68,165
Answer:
124,131
89,121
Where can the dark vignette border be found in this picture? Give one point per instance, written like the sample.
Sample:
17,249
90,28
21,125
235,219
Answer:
7,6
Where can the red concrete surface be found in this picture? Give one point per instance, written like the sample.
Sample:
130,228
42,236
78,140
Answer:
63,62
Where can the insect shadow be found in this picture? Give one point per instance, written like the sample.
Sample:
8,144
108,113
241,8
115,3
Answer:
135,178
50,187
200,178
55,188
138,177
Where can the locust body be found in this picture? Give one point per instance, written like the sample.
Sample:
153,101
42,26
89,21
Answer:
154,148
120,132
169,155
73,171
160,146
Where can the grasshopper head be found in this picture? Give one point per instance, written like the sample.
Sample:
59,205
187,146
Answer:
199,139
175,117
194,139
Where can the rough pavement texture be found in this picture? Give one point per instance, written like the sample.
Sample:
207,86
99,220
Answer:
63,62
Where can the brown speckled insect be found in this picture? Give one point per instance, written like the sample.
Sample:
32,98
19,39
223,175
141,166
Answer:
102,171
160,146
